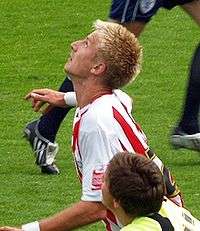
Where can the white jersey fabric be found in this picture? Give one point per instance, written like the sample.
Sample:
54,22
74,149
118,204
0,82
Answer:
181,218
101,129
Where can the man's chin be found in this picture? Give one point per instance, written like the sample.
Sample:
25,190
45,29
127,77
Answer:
67,69
68,73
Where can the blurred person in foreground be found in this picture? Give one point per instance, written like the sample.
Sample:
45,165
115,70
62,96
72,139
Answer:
133,189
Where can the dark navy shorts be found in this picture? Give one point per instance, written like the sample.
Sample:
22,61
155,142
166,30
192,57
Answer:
140,10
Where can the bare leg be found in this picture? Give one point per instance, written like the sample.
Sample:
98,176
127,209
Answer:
193,9
135,27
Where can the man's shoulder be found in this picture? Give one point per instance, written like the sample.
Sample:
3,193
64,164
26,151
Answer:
98,116
100,113
105,103
101,108
143,224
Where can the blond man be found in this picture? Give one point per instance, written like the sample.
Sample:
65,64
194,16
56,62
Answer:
105,60
134,15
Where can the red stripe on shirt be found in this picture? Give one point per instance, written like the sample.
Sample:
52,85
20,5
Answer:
136,124
75,144
75,134
131,136
111,216
108,226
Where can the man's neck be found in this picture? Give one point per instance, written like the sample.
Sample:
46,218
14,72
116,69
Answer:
87,91
124,218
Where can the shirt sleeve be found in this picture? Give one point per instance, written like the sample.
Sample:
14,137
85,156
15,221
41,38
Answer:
96,151
70,98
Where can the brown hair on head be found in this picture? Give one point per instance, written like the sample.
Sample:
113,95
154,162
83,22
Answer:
121,51
136,183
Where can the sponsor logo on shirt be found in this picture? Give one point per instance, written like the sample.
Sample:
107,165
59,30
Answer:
97,177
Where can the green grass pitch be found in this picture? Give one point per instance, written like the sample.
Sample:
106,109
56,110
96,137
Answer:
34,43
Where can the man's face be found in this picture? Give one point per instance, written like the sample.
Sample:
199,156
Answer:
107,197
82,56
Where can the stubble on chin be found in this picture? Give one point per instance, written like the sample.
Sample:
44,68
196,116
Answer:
66,67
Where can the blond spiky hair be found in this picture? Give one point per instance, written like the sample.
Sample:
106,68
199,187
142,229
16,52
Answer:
121,51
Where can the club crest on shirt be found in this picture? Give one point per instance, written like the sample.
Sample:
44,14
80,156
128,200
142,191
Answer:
97,177
146,5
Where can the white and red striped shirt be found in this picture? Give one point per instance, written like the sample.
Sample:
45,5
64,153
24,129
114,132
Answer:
101,129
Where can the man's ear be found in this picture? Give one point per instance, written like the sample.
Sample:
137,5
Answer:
116,204
98,69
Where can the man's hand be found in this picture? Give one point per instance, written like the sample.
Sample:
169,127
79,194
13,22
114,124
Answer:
39,97
7,228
